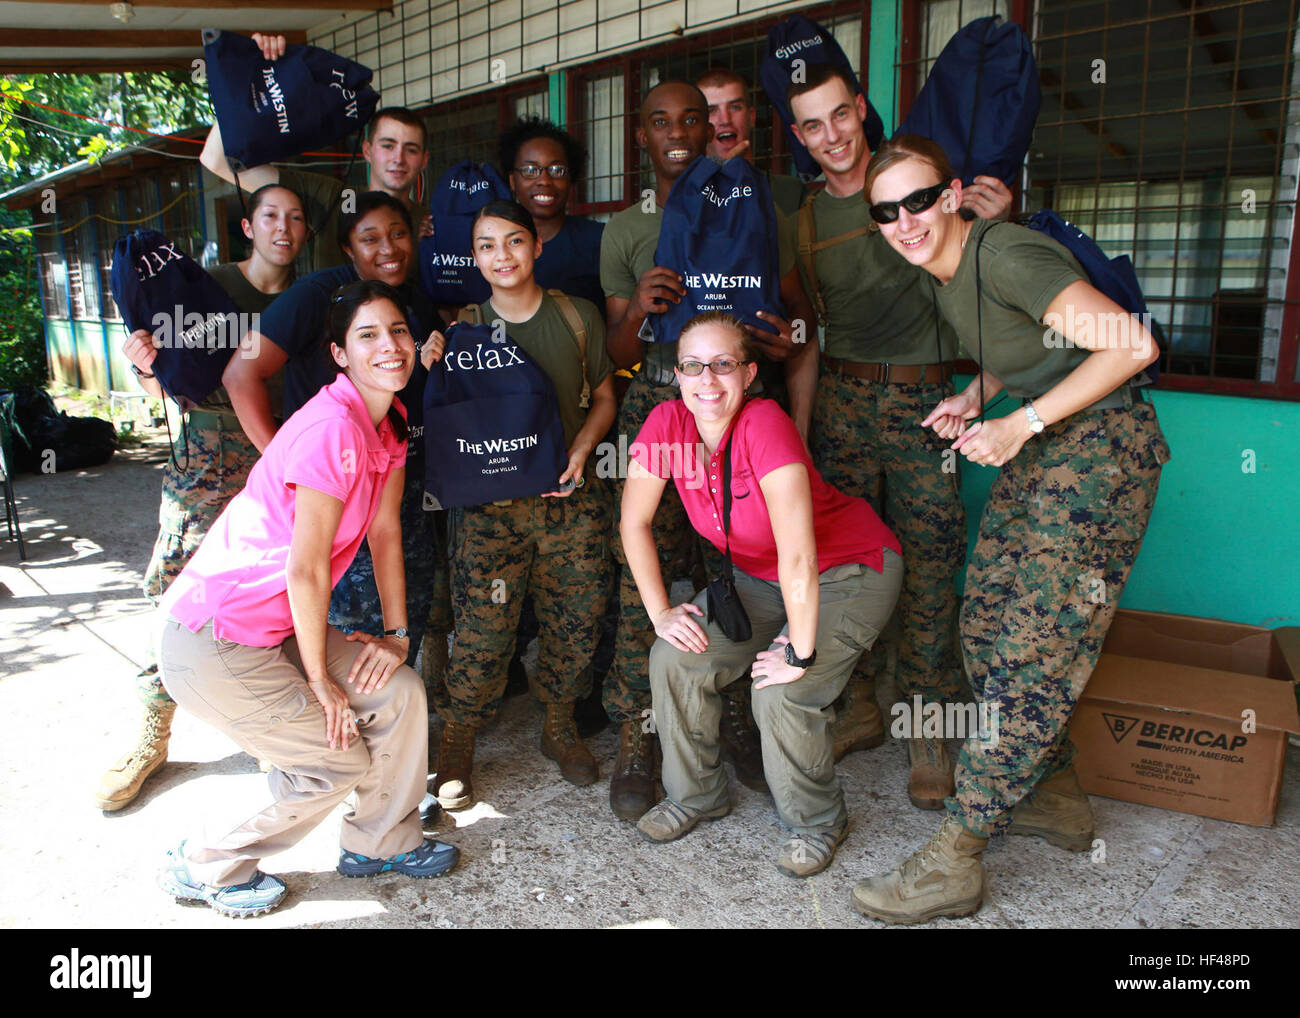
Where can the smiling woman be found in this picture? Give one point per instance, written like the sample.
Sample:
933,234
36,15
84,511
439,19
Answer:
790,533
245,644
543,164
1080,465
552,546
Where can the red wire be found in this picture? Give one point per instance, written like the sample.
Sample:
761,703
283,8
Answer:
138,130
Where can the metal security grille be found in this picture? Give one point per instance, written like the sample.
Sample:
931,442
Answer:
476,64
607,95
1168,132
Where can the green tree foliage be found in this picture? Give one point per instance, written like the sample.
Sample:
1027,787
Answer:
35,141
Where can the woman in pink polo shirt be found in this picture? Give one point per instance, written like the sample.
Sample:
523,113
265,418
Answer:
816,571
246,645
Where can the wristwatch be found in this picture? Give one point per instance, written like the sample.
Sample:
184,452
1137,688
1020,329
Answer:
798,662
140,374
1035,422
401,632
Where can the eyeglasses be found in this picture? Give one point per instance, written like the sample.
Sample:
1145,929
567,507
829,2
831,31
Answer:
917,201
722,366
556,171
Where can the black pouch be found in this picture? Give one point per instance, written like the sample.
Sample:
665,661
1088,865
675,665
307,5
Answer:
725,609
724,604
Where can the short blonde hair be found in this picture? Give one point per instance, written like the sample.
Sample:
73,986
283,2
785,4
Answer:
900,149
724,320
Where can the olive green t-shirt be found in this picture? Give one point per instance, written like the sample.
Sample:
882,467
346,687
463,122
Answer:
627,252
879,306
787,192
250,301
547,339
1021,272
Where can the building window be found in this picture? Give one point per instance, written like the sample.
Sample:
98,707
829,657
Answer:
82,270
106,235
53,273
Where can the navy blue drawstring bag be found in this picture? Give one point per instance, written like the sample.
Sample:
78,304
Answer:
492,426
799,38
448,274
720,232
1115,277
980,101
195,324
268,110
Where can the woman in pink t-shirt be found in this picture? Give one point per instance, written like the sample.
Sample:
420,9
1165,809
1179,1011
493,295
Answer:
246,646
817,574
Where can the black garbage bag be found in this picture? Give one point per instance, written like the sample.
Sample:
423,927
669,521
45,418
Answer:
77,442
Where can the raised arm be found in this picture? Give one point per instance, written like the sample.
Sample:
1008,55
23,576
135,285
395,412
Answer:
213,155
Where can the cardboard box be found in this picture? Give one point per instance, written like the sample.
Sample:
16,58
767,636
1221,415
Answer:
1190,714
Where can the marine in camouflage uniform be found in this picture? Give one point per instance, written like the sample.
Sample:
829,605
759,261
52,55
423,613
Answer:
1058,538
554,548
865,441
557,550
1060,532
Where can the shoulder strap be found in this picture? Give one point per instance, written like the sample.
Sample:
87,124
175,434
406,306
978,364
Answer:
808,246
574,321
472,314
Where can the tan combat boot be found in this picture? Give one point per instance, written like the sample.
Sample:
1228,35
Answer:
1057,810
945,878
560,743
858,724
930,780
632,785
122,783
454,789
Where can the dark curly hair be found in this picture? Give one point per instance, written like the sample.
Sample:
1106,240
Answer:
525,129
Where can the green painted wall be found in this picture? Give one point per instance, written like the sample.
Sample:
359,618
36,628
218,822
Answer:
1222,542
62,350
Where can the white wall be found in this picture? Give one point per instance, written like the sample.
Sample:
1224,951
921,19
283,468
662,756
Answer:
429,50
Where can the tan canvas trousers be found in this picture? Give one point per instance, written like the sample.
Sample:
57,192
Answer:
260,698
794,719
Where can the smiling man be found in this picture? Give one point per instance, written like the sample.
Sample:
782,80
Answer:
395,152
886,363
733,118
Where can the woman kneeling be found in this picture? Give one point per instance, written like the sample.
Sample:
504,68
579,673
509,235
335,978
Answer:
245,645
817,573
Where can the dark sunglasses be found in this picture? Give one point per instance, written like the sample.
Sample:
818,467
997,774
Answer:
917,201
556,171
722,366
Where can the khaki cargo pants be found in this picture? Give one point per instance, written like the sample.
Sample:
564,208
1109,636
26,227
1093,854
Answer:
259,697
795,719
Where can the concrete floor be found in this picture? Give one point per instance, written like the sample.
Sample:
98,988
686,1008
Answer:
537,851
